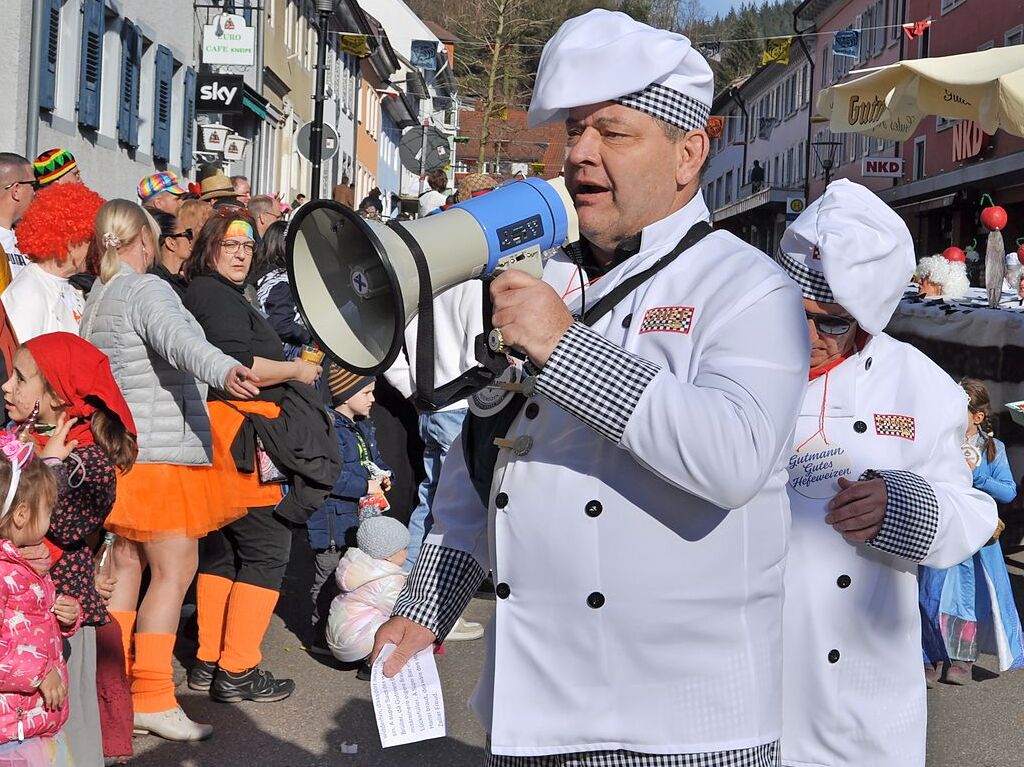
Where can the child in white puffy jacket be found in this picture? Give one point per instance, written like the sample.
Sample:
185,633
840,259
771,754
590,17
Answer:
369,578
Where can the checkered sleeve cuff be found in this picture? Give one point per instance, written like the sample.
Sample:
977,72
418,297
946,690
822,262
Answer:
595,380
439,588
911,515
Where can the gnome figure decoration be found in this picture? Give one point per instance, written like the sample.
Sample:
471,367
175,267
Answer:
993,218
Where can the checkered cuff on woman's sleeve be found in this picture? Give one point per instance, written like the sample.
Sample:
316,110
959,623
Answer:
911,515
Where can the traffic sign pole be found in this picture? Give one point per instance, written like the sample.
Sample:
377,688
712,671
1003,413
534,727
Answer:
316,136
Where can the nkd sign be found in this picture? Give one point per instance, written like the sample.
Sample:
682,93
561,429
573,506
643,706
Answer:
882,167
969,140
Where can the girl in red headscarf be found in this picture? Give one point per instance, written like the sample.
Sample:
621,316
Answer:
86,433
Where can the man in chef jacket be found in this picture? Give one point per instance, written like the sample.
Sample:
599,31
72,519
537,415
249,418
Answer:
877,485
635,521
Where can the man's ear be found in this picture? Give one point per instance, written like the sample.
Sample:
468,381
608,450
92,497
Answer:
692,150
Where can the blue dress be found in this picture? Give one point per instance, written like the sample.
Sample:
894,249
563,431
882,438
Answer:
970,608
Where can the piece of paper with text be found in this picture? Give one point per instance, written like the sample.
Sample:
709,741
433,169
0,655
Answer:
409,706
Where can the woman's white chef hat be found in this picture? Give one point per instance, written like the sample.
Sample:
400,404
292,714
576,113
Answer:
850,248
607,56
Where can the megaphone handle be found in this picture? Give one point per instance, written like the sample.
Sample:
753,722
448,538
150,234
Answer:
485,355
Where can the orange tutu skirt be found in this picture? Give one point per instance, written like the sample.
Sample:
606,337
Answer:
243,489
165,500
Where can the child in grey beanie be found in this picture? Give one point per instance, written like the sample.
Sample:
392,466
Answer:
383,538
369,579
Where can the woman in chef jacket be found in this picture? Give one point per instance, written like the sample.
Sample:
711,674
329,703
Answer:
877,486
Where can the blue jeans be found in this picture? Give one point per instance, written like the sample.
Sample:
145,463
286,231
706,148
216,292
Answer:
438,431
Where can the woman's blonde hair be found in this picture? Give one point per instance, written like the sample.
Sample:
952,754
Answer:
118,224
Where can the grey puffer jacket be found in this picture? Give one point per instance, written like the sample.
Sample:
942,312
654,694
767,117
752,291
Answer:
157,350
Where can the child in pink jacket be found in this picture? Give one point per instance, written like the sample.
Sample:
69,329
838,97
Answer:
370,578
33,675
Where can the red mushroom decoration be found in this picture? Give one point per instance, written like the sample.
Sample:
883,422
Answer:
994,219
956,255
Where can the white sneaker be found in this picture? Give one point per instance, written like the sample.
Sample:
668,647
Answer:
464,630
172,724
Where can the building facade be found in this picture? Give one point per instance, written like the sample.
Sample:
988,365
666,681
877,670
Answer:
115,82
881,43
950,164
765,122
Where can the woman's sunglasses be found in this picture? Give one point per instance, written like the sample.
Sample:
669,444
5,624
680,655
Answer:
187,234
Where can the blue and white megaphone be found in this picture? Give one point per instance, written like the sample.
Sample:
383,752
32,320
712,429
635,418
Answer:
358,283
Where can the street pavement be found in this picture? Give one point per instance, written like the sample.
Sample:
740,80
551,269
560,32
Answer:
981,724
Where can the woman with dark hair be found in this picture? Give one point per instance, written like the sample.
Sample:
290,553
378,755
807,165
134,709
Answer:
274,291
241,567
175,246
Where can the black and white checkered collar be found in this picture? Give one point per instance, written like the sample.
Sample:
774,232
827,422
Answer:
654,239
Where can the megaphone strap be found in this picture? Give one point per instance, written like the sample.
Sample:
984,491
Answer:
696,233
425,335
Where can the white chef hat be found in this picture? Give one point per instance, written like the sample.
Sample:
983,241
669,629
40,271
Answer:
607,56
850,248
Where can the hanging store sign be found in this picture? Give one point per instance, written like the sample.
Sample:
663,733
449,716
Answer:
228,41
882,167
214,137
234,147
219,93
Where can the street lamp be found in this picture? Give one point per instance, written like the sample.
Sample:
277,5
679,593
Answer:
826,151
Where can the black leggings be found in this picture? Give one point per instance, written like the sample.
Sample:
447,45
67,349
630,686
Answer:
253,549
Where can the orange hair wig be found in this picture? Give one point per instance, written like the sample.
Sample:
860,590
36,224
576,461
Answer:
60,216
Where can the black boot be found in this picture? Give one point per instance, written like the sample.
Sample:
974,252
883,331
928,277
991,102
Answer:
364,672
254,684
200,676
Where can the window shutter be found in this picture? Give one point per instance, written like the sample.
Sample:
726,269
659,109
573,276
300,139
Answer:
162,104
188,125
48,56
91,66
247,12
128,105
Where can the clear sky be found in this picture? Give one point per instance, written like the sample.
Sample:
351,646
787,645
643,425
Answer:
713,7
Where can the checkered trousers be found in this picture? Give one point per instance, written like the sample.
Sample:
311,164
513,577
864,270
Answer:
757,756
812,284
670,105
439,588
595,380
911,515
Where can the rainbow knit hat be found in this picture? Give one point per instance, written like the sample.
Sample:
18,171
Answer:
52,164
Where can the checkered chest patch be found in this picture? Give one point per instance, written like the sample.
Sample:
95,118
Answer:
903,426
667,319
